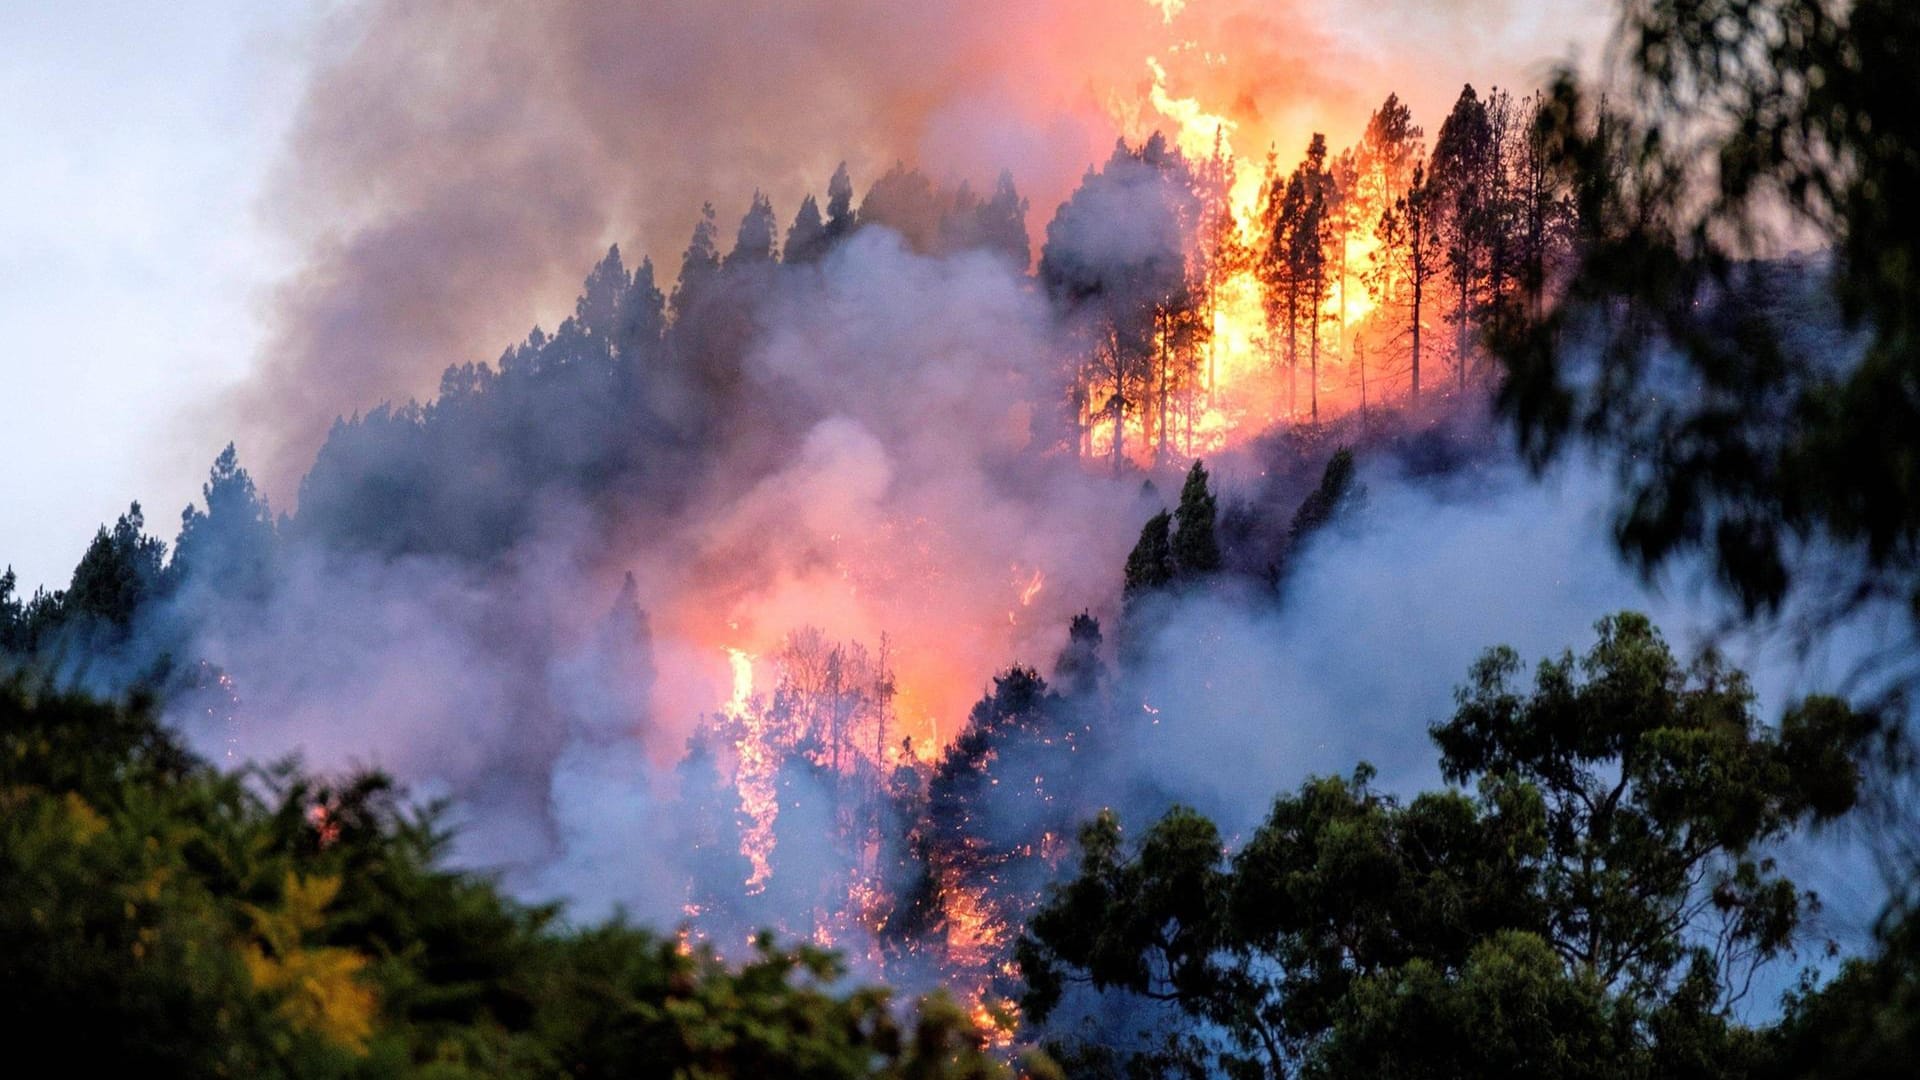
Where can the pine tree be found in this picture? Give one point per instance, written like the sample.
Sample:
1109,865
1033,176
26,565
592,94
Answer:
698,265
1079,669
807,236
753,243
1410,256
12,614
1343,179
597,310
1194,547
1003,223
122,569
1388,152
840,220
710,821
1150,565
643,316
228,547
1543,207
1459,181
1306,255
905,201
1284,211
1339,493
1119,305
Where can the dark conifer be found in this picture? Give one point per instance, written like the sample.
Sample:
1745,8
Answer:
1150,565
1196,551
753,243
807,236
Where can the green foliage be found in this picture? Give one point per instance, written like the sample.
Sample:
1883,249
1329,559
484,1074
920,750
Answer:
278,926
1079,669
1659,787
1512,1010
699,264
1340,881
1865,1024
1593,905
24,621
807,236
1297,222
754,241
1116,297
1150,564
1195,550
1746,126
840,219
1182,546
228,547
121,569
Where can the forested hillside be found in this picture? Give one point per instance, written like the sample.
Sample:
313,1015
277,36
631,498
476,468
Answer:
932,635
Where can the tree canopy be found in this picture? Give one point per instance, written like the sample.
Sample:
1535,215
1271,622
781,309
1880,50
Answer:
1591,897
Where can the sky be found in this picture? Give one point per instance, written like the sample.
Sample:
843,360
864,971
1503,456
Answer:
176,173
138,138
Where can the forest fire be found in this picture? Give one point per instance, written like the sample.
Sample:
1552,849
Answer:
865,803
881,486
1304,295
1028,568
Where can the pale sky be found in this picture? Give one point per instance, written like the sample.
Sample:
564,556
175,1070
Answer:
137,136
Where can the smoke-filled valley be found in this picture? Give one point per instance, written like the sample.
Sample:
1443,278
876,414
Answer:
1075,598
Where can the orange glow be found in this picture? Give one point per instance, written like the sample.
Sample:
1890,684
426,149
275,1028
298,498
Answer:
1242,383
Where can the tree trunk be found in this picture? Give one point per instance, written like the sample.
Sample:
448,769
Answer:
1340,321
1460,333
1416,337
1313,354
1166,377
1360,357
1293,349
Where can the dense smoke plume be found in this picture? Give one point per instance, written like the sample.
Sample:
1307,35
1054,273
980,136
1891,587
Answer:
454,164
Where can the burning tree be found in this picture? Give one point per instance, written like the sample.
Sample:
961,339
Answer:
1409,257
1116,261
1299,229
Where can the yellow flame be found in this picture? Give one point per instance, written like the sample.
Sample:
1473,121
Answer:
1194,127
757,760
741,665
